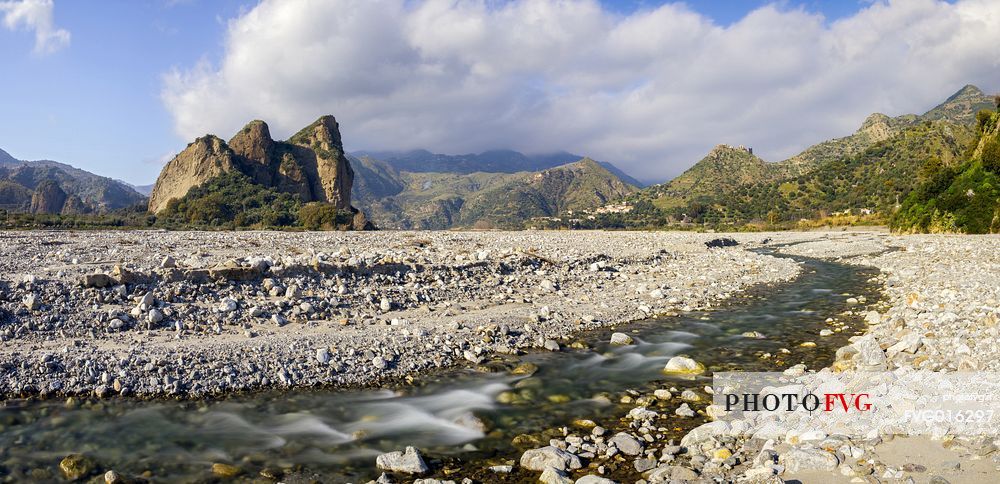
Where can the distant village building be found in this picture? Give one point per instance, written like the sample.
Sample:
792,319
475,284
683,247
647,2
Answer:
614,208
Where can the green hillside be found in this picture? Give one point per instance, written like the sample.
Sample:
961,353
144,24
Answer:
870,171
958,199
428,200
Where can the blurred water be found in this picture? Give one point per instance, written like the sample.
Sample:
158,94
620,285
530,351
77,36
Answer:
338,433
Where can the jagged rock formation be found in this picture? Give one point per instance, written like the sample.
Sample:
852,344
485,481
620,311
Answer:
310,164
48,198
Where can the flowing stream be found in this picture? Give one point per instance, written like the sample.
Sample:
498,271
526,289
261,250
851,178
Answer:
453,416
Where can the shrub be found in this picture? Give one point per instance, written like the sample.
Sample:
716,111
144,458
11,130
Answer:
318,215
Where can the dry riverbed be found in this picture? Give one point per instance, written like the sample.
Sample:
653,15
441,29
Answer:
189,314
197,313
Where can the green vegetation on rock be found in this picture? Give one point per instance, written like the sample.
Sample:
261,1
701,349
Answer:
958,199
233,200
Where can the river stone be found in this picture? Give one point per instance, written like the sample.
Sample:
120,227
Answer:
910,343
97,280
620,339
704,432
870,356
408,462
323,355
684,411
683,365
524,368
626,443
797,460
664,474
225,471
76,466
552,475
31,302
590,479
154,316
873,317
539,459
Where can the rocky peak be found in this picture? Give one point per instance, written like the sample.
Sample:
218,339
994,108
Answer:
961,107
311,164
324,134
877,127
967,92
253,142
205,158
729,151
6,158
48,197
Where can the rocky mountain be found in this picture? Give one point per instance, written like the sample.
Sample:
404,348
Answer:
732,184
6,159
311,164
493,161
47,186
396,198
961,107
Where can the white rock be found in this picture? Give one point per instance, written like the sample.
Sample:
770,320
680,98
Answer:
323,355
549,456
407,462
154,316
621,339
684,411
683,365
228,305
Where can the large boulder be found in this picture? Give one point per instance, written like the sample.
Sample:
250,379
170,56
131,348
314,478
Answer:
682,365
407,462
549,456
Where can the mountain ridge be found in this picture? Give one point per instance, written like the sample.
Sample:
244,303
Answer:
46,186
959,109
443,200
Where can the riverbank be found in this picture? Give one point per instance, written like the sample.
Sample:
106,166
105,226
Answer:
357,309
939,312
190,314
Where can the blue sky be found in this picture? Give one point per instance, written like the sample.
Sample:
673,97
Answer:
98,103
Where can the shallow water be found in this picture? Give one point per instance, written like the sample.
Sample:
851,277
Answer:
452,416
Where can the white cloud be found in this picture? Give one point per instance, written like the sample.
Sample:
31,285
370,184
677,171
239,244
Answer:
651,91
35,15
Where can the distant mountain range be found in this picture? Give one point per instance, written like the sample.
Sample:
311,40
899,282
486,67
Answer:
870,170
395,197
47,186
493,161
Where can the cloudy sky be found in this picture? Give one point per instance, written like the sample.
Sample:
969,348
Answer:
119,86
